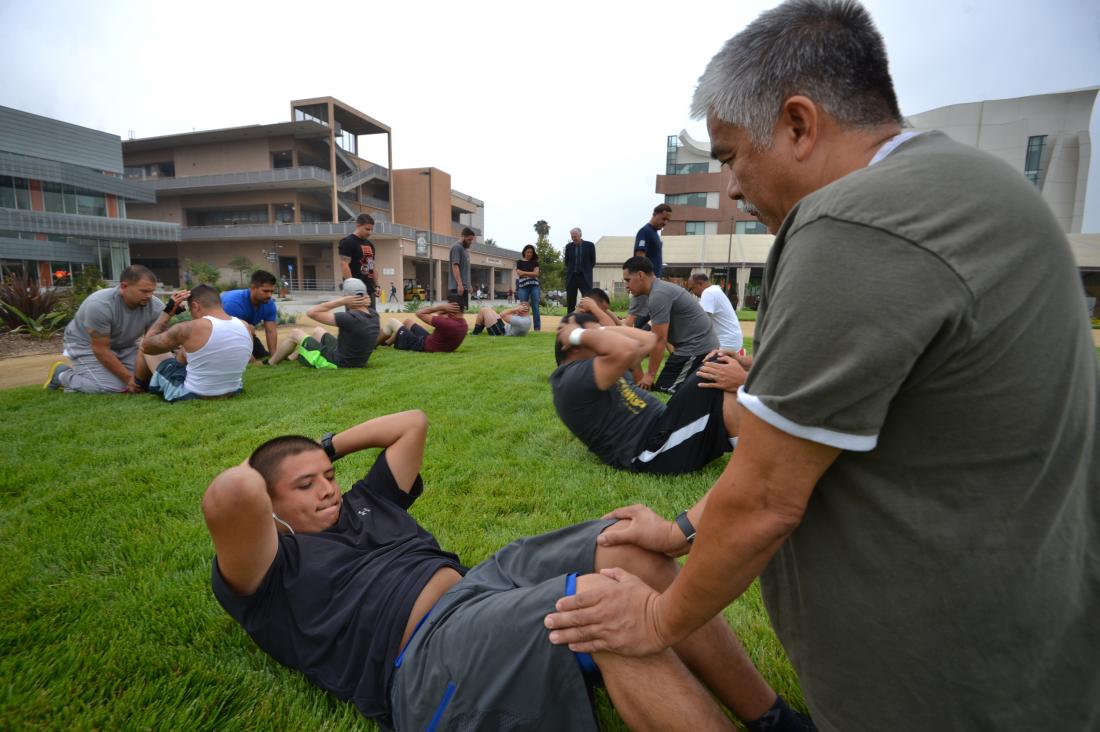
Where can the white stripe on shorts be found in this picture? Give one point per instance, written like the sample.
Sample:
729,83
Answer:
678,437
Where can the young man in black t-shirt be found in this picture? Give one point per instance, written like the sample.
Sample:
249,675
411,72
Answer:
357,254
596,397
352,592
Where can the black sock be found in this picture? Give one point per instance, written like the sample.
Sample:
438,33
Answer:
781,718
478,328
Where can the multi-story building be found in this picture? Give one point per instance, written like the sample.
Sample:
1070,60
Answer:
694,184
1045,137
63,200
282,195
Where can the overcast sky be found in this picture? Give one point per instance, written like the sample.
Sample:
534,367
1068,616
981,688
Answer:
558,111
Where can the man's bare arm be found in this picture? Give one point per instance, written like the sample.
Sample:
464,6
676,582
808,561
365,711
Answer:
588,305
457,272
169,340
322,313
617,350
101,349
238,514
345,266
425,314
656,353
271,335
402,435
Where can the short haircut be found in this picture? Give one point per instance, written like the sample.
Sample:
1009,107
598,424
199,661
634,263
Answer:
261,278
205,295
700,277
576,229
268,458
662,208
467,231
597,294
364,219
136,273
638,264
574,317
456,299
827,50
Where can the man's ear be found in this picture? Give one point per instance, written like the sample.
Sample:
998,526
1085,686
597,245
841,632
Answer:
800,124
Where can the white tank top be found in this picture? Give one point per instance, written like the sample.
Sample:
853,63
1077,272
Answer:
216,368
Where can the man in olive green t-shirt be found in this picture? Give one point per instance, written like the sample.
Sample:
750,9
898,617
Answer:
916,478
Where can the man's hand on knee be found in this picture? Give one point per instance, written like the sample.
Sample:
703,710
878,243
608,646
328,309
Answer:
641,526
613,611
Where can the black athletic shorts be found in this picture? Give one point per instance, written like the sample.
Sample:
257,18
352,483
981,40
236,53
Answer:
496,329
689,434
258,351
411,339
677,368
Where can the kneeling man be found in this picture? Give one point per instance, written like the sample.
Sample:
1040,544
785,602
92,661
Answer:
357,329
511,322
597,398
214,349
353,592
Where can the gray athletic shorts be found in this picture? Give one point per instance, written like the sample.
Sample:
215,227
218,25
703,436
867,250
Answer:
482,659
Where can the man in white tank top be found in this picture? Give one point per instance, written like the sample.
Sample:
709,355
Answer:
211,350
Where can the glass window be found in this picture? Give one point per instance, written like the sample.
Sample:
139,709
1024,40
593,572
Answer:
51,192
121,207
692,228
282,159
750,227
7,192
284,213
1033,162
687,199
22,194
91,204
687,168
68,195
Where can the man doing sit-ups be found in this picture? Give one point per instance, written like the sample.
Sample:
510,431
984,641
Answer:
446,319
511,322
597,398
353,592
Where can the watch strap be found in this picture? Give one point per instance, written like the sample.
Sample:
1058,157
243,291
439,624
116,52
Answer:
330,449
686,526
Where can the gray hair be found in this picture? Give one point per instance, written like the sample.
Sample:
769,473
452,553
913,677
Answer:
827,50
576,229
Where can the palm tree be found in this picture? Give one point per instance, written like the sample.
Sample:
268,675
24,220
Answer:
542,229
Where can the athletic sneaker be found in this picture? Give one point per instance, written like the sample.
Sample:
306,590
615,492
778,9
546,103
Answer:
56,369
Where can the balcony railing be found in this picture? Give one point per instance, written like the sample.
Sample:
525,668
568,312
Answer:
91,227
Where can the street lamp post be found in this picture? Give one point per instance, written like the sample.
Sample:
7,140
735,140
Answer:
431,229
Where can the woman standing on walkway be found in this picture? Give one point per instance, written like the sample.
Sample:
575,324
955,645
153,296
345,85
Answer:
527,270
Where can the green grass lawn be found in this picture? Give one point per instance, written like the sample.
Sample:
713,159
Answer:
108,621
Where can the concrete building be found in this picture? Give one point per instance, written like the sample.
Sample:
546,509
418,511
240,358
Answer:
1045,137
282,195
63,201
695,184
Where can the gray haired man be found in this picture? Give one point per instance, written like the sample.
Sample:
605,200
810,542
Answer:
923,511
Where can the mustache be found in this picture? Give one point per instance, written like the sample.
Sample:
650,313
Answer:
750,209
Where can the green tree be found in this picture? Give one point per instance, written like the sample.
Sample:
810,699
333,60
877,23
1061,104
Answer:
490,242
551,266
244,266
203,273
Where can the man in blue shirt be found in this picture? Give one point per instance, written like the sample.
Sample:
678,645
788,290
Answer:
254,306
648,241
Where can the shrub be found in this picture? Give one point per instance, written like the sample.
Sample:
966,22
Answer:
285,318
23,302
85,283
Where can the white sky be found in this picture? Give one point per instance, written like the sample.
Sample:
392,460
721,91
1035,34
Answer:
558,111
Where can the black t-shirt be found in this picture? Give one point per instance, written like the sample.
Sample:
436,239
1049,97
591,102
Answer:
524,265
356,338
334,604
362,265
614,424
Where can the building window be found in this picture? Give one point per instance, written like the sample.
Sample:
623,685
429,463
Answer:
164,169
749,227
1034,158
670,155
282,159
227,217
692,228
14,193
91,204
687,199
284,213
309,215
688,168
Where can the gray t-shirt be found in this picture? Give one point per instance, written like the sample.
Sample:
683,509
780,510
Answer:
638,307
517,326
689,328
613,424
460,256
105,312
946,573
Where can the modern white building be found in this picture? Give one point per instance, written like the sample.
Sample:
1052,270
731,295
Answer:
1046,137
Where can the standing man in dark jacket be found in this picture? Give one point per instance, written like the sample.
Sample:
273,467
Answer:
580,258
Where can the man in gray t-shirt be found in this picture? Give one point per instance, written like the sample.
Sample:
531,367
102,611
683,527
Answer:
677,320
458,273
101,341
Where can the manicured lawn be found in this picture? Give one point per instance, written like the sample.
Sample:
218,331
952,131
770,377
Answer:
108,621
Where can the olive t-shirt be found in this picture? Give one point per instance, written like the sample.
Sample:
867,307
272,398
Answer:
925,315
613,424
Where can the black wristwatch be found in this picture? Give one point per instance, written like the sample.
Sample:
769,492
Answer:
685,525
330,450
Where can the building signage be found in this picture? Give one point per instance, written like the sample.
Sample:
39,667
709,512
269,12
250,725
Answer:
421,244
387,270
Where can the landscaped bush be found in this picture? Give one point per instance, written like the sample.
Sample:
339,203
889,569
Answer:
26,307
